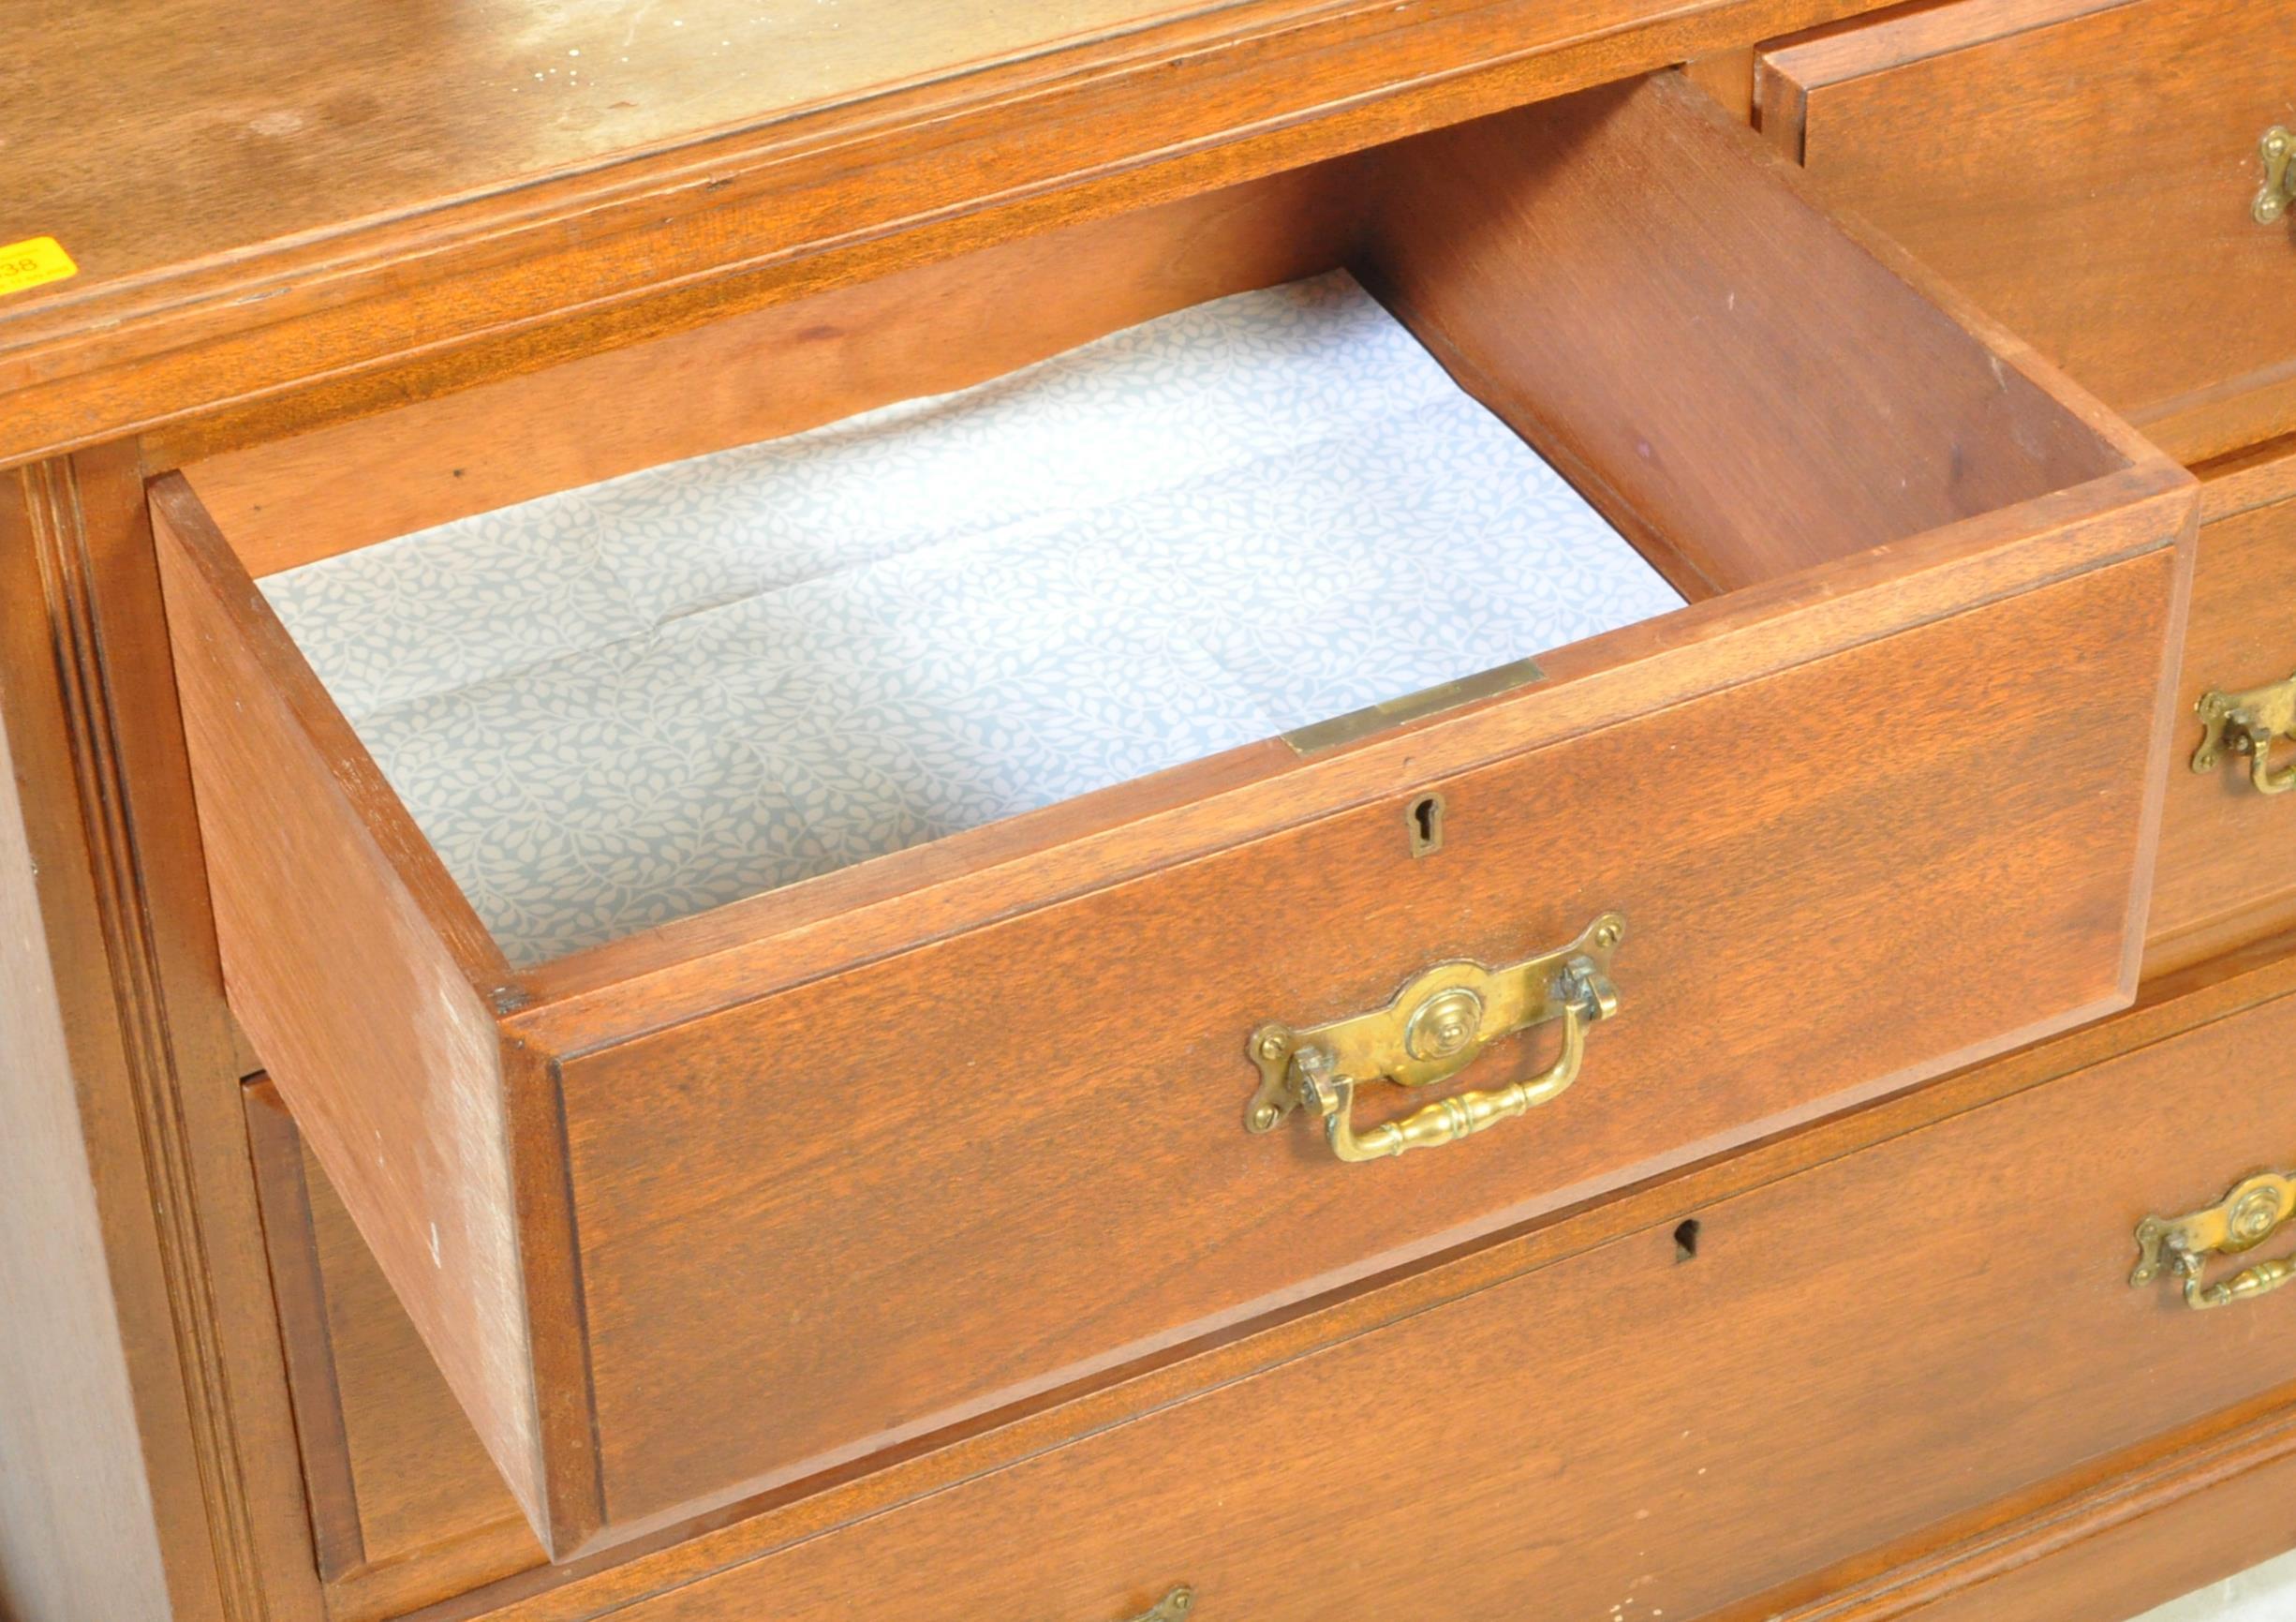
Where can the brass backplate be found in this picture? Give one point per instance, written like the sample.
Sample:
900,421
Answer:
2251,1211
1435,1026
2244,1218
1173,1607
2276,148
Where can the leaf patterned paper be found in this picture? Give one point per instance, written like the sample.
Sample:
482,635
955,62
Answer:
622,704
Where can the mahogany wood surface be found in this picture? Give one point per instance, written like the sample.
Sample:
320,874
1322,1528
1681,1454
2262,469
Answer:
2083,169
2227,870
508,1163
1607,335
421,1453
1983,885
2194,1521
78,1525
114,949
1632,1424
407,1506
2113,1537
346,278
924,331
316,259
349,954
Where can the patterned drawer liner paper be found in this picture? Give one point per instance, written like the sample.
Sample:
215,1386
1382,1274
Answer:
625,704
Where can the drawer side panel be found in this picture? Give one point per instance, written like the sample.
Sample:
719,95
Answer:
363,1006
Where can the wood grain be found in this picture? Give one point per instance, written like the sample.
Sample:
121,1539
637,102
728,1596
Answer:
300,319
971,1134
390,285
77,1526
2157,1521
408,1507
363,979
2226,874
773,372
1606,334
2226,1513
298,1283
1704,1427
2082,169
2168,1007
121,891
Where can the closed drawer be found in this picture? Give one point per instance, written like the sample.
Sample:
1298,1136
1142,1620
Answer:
744,1197
1667,1424
2228,868
406,1508
2085,170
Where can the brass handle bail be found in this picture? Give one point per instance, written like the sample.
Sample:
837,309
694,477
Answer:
1433,1028
2248,1214
2247,724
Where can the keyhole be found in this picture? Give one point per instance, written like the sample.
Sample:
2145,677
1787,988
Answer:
1686,1241
1425,821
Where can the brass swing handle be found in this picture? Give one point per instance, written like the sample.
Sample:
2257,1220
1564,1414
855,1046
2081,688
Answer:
1447,1119
1433,1028
2248,1214
2247,724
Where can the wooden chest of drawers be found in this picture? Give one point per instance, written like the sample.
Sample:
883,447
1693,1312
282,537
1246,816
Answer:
658,1133
979,1227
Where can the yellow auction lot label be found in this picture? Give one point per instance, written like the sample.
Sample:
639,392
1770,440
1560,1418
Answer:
33,261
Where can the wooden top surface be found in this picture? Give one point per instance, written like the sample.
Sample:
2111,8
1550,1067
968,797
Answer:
284,211
151,134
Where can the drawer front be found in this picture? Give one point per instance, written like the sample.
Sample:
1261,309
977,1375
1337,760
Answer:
1076,1186
2087,171
1841,1359
2227,870
798,1182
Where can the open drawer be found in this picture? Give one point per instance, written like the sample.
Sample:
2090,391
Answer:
734,1199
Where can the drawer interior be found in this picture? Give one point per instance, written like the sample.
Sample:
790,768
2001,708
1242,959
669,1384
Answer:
908,562
636,700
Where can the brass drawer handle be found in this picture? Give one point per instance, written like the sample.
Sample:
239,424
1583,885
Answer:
1433,1028
1171,1608
2247,724
2279,187
2248,1214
